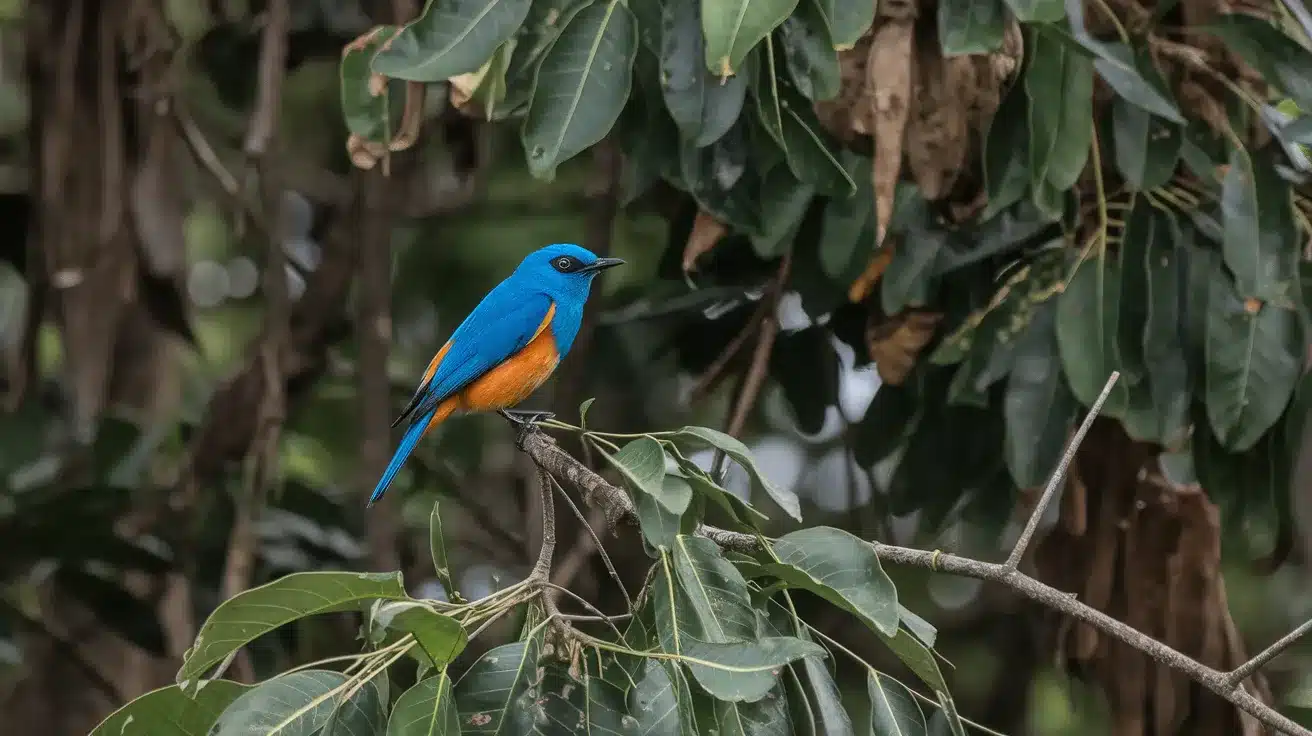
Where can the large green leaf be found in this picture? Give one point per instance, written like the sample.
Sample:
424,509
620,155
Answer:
660,526
441,637
642,463
295,704
828,715
546,19
1141,229
701,482
893,711
582,85
847,232
840,568
744,671
733,27
365,108
808,47
703,106
908,277
168,711
240,619
486,692
811,153
1282,61
716,590
452,37
971,26
1127,72
427,709
784,201
1164,358
1146,147
1254,356
1261,242
1039,407
765,717
1086,333
1059,84
736,450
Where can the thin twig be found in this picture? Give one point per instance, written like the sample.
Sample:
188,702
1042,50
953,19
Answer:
1059,474
1245,670
581,549
710,378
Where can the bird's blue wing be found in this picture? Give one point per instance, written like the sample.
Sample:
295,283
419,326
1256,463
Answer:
500,326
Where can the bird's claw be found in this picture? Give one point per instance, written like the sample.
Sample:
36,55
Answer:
527,420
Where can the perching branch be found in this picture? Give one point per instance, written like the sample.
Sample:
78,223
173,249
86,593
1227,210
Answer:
617,506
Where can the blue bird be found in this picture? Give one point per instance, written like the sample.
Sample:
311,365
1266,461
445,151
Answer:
505,348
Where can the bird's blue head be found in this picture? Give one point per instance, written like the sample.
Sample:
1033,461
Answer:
563,271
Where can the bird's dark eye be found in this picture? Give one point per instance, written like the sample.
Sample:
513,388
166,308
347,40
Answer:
564,264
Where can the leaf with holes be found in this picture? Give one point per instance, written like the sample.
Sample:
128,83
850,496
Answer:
452,37
840,568
486,692
581,86
245,616
559,702
365,106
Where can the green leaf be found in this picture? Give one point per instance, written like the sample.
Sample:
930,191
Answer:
489,688
1254,357
1059,84
971,26
243,617
918,658
733,27
840,568
1282,61
850,21
893,711
642,463
366,114
1086,333
812,154
655,702
719,179
659,526
365,712
784,201
737,509
1039,407
744,671
847,231
427,709
1135,80
1037,11
546,19
437,548
828,715
441,637
765,717
1007,153
907,279
919,627
1163,347
703,106
1141,226
295,704
452,37
1146,147
736,450
1261,242
582,84
808,47
765,70
949,713
716,591
560,702
169,712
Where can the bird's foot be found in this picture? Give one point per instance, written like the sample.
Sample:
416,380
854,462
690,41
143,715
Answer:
526,420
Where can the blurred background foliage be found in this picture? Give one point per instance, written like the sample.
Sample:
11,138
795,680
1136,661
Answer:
149,466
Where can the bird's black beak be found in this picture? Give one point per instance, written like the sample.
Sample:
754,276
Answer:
601,264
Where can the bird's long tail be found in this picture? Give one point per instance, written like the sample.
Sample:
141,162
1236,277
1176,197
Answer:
409,440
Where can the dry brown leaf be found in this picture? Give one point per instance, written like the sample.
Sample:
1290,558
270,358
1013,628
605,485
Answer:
706,232
937,129
896,343
860,288
888,76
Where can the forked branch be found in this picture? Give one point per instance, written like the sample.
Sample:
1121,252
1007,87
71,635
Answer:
600,493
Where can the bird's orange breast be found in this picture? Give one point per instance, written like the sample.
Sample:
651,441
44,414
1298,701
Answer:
518,376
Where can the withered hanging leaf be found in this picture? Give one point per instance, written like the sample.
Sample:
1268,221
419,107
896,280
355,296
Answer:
895,344
888,76
706,232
